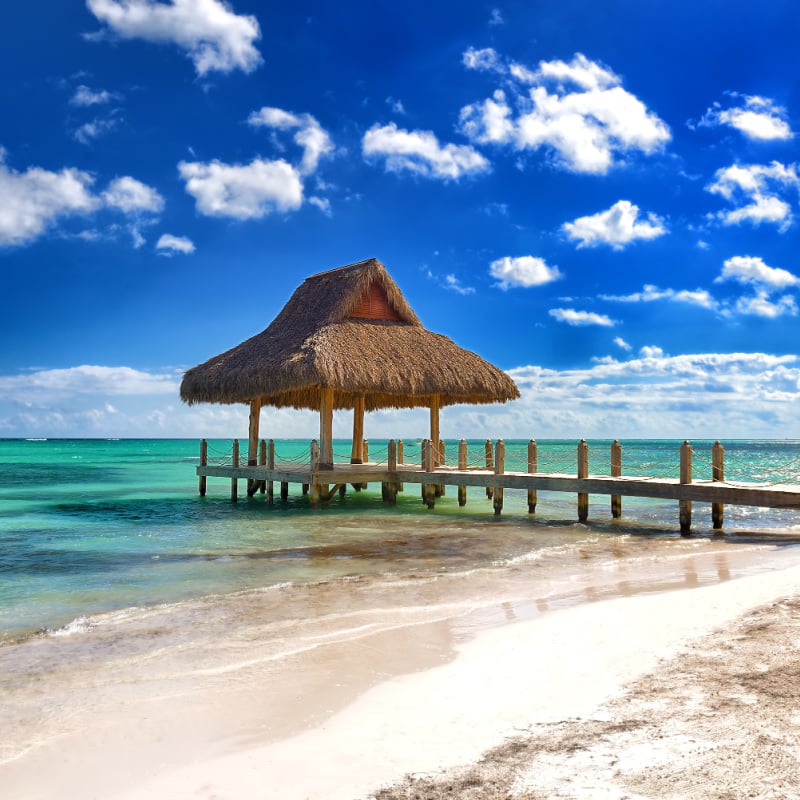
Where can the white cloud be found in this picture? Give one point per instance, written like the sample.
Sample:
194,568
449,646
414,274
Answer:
311,137
169,245
322,203
755,189
98,127
651,352
758,118
88,380
396,105
131,196
651,293
485,60
617,227
454,284
753,270
420,152
621,343
579,110
761,305
573,317
248,191
523,271
84,96
212,35
496,18
32,201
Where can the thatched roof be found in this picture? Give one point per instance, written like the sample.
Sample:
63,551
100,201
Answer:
352,330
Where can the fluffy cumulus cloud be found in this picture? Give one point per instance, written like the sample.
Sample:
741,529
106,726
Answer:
578,110
94,129
32,201
757,118
753,270
169,245
762,304
651,293
484,60
757,191
421,153
310,135
242,191
131,196
213,36
523,271
571,316
618,226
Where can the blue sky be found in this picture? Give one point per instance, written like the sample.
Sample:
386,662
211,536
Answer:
600,198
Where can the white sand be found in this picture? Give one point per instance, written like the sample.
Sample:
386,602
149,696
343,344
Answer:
562,665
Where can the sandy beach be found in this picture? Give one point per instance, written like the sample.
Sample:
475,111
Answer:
683,693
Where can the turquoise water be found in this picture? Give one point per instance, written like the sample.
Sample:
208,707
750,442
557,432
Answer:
92,526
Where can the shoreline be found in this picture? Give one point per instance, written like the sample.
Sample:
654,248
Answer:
367,708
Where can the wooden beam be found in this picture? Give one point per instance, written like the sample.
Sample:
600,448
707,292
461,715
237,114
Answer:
533,465
499,469
434,438
583,472
357,453
717,474
326,427
685,506
489,465
235,463
203,463
462,467
616,471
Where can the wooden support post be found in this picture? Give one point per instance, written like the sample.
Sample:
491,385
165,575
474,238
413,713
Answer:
389,488
203,463
342,489
499,469
235,463
262,460
685,506
434,439
271,466
356,455
252,444
616,472
717,474
440,460
489,465
284,490
400,486
462,467
326,427
428,494
533,466
316,489
365,452
583,472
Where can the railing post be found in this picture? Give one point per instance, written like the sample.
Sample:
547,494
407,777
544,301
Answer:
262,460
365,453
440,461
685,506
400,486
583,472
235,463
717,474
389,488
270,466
616,472
428,493
314,497
203,463
489,465
533,467
499,469
462,467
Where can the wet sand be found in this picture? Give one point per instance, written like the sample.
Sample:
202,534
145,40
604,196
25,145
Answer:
684,693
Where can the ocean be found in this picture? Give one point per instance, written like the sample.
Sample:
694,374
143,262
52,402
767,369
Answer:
110,561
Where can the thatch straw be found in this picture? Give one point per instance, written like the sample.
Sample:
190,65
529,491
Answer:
313,344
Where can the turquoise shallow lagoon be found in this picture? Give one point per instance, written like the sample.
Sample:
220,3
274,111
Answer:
93,526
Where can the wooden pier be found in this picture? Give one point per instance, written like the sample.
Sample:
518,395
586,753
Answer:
322,481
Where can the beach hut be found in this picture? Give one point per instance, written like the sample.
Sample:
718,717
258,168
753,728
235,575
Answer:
346,339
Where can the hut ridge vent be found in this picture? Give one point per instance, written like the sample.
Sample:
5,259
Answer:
374,304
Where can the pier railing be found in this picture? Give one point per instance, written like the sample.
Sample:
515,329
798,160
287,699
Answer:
494,467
